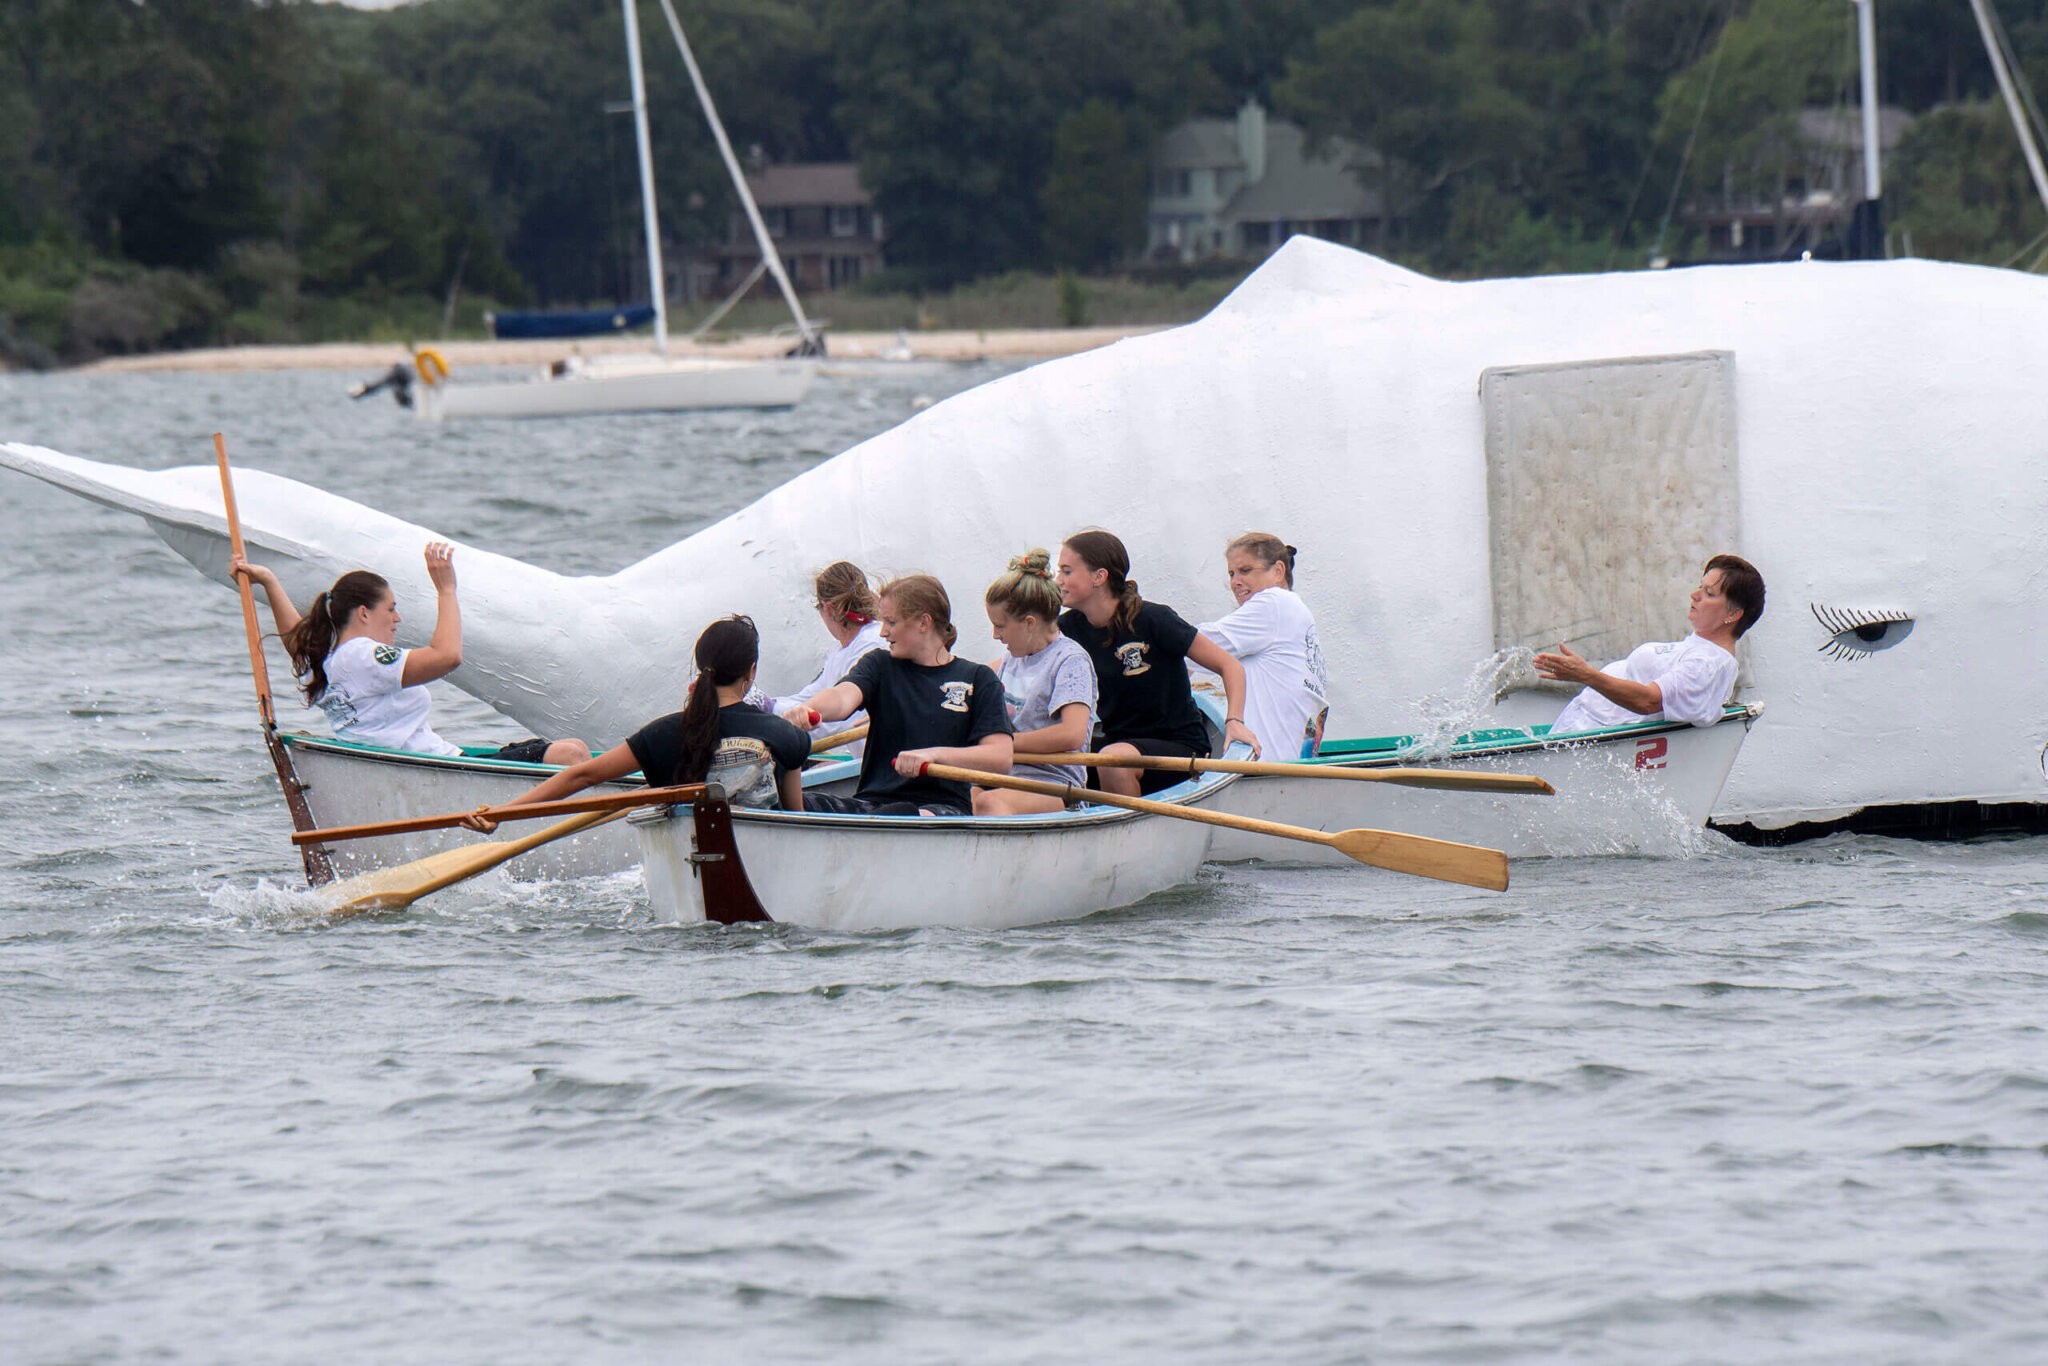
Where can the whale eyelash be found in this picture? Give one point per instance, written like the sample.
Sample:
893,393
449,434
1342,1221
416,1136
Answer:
1858,633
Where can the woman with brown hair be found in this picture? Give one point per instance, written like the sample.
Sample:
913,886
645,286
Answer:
1273,635
924,705
1141,651
344,650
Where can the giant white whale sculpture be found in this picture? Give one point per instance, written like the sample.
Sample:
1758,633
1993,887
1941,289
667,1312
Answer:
1465,466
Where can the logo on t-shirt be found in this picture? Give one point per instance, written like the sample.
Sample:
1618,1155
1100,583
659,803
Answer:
956,695
1132,657
385,654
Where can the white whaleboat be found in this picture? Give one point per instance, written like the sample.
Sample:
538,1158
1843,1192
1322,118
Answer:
656,381
849,873
1638,788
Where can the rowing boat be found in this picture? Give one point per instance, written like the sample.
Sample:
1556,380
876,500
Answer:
354,784
836,872
1640,788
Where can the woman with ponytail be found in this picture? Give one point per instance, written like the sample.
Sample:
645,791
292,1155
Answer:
1273,635
344,650
1048,683
924,706
758,759
846,606
1141,650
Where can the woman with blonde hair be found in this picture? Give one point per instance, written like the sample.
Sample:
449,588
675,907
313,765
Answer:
1048,682
846,606
1273,635
925,705
1141,650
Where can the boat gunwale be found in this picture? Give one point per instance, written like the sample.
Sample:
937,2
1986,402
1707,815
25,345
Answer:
1744,712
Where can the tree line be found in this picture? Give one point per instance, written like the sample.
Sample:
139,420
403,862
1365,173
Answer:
203,171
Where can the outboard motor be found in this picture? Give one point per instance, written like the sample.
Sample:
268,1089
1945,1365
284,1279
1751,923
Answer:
398,379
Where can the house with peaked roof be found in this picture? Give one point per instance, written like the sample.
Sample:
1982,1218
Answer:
821,218
1239,187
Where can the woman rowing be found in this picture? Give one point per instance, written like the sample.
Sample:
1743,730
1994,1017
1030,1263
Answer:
925,705
1273,635
1048,683
344,650
1140,650
717,737
846,605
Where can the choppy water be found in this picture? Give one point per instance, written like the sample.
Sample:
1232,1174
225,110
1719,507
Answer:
1764,1105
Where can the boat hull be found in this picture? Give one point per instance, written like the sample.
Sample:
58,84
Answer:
638,386
1641,789
854,873
348,784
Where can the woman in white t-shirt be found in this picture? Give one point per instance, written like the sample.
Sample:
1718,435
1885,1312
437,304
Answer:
846,606
1273,634
1048,683
344,651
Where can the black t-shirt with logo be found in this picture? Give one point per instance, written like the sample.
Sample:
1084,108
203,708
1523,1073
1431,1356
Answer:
754,749
922,706
1141,677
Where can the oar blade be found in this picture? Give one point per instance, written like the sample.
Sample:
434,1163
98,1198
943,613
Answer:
394,889
1420,856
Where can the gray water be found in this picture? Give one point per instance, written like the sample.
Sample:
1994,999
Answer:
1744,1105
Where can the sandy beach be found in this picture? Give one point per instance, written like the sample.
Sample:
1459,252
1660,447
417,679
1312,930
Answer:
1017,344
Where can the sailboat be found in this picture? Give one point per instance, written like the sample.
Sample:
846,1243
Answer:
655,381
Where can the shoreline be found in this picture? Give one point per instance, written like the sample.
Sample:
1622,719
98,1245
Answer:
961,346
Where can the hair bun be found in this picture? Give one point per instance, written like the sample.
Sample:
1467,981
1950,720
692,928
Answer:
1036,562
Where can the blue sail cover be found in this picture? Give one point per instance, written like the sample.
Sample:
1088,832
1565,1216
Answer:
589,322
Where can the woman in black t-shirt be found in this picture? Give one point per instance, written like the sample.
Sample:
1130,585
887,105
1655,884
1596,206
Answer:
924,706
1141,650
757,758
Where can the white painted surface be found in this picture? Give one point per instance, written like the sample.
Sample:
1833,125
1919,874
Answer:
1891,427
624,384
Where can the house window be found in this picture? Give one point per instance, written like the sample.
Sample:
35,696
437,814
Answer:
845,270
777,221
1258,235
1171,184
845,220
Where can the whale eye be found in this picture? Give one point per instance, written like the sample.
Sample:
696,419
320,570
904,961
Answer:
1858,632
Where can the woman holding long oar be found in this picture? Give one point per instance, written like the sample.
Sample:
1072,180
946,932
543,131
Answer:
344,650
1141,650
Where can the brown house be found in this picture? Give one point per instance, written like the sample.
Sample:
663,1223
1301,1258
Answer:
823,223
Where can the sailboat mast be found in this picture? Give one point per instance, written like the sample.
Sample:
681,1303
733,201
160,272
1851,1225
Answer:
1866,44
657,281
769,254
1994,50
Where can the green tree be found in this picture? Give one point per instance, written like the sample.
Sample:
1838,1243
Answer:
1094,196
1959,185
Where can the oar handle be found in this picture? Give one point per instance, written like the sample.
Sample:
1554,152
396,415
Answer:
612,801
256,664
1454,779
844,737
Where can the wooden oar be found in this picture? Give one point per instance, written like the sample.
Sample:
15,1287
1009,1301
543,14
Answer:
393,889
1451,779
318,869
610,801
844,737
1416,854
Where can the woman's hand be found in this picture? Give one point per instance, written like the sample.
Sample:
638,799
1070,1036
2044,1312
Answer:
910,761
441,566
255,573
800,715
1566,666
1237,732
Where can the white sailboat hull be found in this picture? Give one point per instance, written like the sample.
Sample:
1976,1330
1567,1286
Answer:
853,873
625,385
1638,789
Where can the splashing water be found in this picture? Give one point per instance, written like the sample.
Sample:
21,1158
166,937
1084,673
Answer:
1469,706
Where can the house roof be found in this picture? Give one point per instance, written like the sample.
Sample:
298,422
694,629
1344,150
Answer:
1841,127
1198,144
815,182
1299,187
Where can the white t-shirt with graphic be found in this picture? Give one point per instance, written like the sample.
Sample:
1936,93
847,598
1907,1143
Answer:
1273,634
1695,675
1036,686
367,701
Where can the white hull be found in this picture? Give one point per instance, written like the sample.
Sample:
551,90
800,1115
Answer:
357,785
626,385
1632,790
904,872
